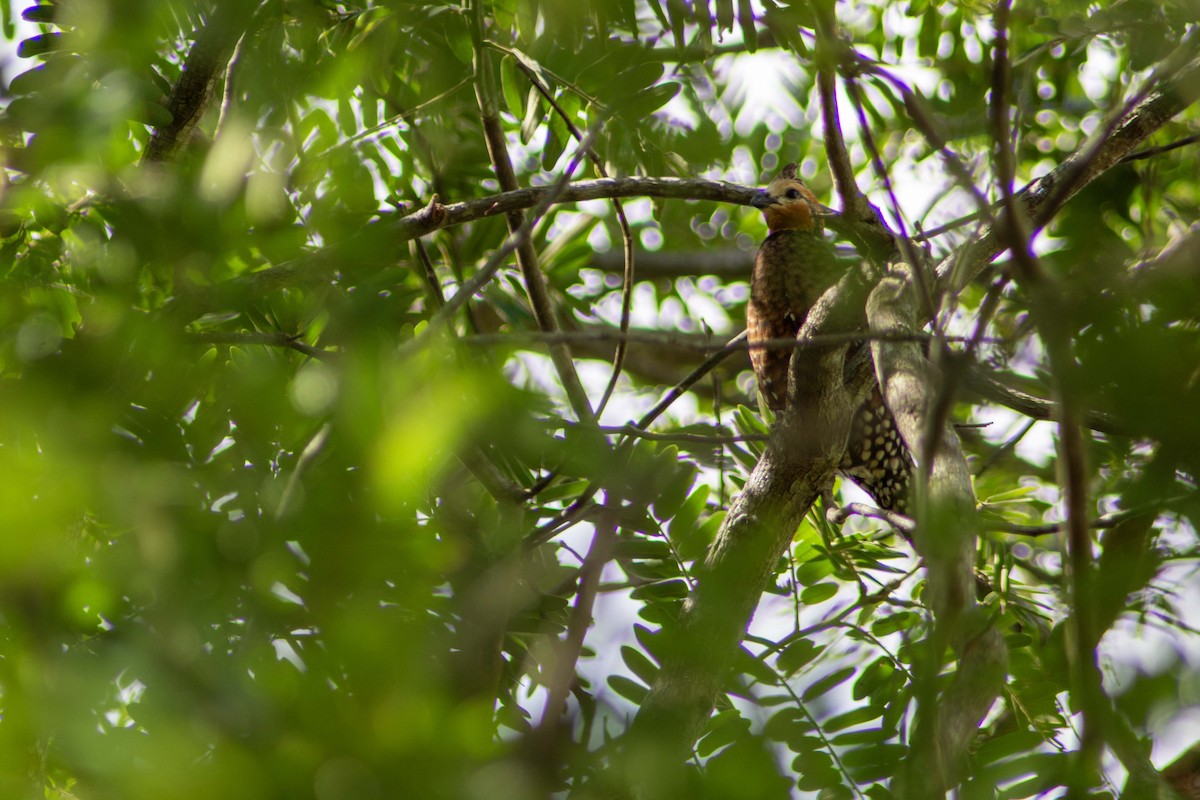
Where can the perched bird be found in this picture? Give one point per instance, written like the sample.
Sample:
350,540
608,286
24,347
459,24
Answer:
793,268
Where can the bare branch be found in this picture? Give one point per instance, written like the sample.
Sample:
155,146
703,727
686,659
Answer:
707,439
994,389
377,246
723,262
899,522
835,144
682,341
1151,152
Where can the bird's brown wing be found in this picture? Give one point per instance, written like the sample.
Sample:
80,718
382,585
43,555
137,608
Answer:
790,273
791,270
769,317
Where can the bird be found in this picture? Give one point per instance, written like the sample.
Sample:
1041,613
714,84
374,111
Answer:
793,268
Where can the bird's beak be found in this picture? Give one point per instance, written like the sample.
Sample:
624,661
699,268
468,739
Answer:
763,200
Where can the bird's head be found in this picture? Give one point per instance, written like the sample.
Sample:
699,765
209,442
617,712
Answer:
789,205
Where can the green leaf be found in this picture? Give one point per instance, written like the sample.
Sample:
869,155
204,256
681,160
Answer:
43,14
639,664
640,77
676,588
534,115
746,22
818,593
746,662
629,689
873,676
797,654
877,761
814,570
513,84
786,724
1008,745
642,548
893,623
722,729
682,527
850,719
830,681
647,102
39,45
673,492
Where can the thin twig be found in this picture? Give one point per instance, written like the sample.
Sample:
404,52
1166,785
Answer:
711,439
582,504
901,523
278,339
536,286
902,239
1105,521
562,670
999,453
1151,152
432,285
485,273
311,450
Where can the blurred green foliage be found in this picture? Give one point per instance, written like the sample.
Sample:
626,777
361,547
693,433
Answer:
254,543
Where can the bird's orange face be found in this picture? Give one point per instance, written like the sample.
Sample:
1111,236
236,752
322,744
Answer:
788,204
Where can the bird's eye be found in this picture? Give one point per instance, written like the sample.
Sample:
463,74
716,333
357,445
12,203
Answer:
792,194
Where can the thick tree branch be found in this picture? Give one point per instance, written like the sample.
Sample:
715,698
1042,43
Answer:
192,93
946,539
760,525
806,445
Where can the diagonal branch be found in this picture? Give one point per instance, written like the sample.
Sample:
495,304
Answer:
192,93
806,445
536,285
1042,199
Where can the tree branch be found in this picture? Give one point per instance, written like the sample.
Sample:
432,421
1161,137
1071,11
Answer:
1043,197
806,445
192,93
946,538
536,285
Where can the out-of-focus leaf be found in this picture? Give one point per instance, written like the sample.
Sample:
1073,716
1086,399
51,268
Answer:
820,687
